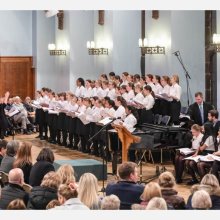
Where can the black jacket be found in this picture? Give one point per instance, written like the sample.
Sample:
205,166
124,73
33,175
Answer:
194,112
11,192
128,192
39,169
40,196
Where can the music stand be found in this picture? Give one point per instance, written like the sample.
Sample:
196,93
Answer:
146,144
103,158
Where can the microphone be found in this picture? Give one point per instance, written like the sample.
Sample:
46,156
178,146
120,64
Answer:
176,52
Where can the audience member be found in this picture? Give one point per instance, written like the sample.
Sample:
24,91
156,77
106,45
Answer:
41,195
3,144
210,184
201,200
24,160
16,204
66,173
67,196
13,190
88,191
151,190
9,158
53,203
111,202
157,203
127,189
43,165
167,182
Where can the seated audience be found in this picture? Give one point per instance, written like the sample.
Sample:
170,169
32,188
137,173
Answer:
67,196
21,116
167,182
157,203
66,173
13,190
127,189
88,191
210,184
16,204
111,202
3,145
53,203
24,160
151,190
138,207
9,158
43,165
41,195
30,110
201,200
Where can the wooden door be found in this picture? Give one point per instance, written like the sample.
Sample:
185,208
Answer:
17,76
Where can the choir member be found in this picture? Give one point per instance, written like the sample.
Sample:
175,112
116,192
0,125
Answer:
88,89
130,90
164,102
137,79
103,77
105,88
124,78
207,146
118,80
157,90
195,144
111,93
111,76
175,104
80,87
97,90
148,103
149,81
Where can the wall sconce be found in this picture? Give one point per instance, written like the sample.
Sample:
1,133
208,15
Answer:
53,51
216,42
145,49
96,51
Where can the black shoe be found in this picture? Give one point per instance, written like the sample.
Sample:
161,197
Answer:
70,146
192,182
75,147
42,138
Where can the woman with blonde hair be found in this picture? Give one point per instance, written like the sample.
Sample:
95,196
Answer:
175,95
157,203
201,200
151,190
167,183
24,159
66,173
210,184
67,196
88,191
41,195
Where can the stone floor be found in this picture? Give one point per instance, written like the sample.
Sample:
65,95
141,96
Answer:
62,153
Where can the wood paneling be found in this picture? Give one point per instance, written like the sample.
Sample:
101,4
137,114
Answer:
17,76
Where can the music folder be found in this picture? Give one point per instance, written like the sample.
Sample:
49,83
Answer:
105,121
11,114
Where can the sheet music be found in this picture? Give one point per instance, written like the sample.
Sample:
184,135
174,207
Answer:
53,112
196,158
11,114
163,96
105,121
214,157
186,151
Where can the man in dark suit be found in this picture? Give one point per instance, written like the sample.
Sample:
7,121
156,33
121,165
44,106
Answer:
198,111
213,117
127,189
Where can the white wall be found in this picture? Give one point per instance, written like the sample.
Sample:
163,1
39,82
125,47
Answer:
16,33
45,64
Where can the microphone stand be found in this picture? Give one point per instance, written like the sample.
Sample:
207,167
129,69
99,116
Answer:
103,159
178,56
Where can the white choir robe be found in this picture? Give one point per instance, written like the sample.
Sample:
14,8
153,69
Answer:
157,89
138,98
111,94
79,91
95,115
125,96
105,92
151,85
148,102
98,92
84,114
130,96
87,92
120,112
176,91
108,112
129,122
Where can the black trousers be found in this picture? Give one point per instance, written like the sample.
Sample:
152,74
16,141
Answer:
175,108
